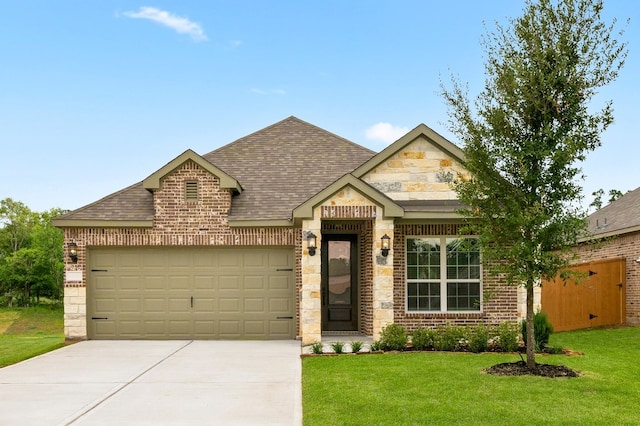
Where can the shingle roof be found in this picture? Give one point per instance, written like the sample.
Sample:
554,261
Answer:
281,166
621,216
133,203
278,167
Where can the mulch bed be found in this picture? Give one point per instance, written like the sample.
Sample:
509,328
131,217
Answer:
520,369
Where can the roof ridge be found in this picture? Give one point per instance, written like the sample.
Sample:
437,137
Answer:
290,118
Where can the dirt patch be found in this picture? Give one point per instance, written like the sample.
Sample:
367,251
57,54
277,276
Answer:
520,369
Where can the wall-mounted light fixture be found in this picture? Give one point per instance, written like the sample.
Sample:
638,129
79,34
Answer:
385,245
638,260
311,243
73,252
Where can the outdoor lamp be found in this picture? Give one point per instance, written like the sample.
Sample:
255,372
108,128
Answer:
385,244
311,243
73,252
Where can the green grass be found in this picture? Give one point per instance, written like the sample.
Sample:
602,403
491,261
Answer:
27,332
450,388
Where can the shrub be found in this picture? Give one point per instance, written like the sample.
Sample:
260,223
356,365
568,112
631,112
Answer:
542,329
479,339
338,347
356,346
393,337
376,346
422,338
449,338
316,348
507,334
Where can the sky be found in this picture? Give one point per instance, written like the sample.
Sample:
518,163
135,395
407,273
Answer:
98,95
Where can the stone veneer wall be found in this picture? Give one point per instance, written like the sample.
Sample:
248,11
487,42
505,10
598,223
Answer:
176,223
501,306
421,171
628,247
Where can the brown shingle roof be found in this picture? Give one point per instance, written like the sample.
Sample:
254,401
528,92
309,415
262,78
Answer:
623,215
133,203
278,167
281,166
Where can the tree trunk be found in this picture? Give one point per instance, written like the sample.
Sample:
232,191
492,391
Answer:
531,342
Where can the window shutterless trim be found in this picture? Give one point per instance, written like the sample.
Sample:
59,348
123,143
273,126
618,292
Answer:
443,280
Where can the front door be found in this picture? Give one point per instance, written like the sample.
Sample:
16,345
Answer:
339,283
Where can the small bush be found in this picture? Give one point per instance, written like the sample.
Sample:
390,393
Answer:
479,339
356,346
338,347
542,329
449,338
422,338
376,346
507,334
393,337
316,348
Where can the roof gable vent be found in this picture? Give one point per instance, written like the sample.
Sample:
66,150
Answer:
191,190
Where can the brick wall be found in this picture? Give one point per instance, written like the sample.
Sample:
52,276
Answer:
502,305
178,222
626,246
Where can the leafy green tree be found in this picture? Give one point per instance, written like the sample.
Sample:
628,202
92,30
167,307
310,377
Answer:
526,133
31,254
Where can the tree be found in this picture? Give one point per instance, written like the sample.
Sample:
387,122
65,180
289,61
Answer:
31,254
614,194
526,133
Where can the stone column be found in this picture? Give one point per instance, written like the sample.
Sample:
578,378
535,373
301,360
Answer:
310,302
382,276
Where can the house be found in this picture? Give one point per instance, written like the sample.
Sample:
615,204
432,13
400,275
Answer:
289,232
610,259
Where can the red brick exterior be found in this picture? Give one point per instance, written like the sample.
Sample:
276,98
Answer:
624,246
500,306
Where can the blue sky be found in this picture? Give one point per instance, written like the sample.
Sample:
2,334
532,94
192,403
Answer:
97,95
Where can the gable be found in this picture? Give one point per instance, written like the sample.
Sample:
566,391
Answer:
226,181
419,166
348,185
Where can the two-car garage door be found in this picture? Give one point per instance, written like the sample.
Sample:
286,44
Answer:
190,293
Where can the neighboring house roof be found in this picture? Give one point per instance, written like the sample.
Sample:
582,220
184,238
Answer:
281,166
620,217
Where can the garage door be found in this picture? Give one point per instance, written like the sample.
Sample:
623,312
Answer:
190,293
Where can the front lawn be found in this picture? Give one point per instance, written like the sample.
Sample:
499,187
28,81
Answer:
27,332
451,388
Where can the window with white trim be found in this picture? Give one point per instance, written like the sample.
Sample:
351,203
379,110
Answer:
443,274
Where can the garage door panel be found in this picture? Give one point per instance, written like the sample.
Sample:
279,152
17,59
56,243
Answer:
228,282
190,292
129,305
229,305
280,305
253,282
204,282
281,328
229,329
279,282
130,282
154,282
252,306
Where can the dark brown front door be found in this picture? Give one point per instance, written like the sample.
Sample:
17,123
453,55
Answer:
339,283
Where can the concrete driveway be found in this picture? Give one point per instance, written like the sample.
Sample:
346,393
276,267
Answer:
156,383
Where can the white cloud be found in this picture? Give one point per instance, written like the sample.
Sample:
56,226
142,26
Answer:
385,132
177,23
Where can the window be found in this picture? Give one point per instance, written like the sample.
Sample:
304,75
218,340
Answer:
443,274
191,191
